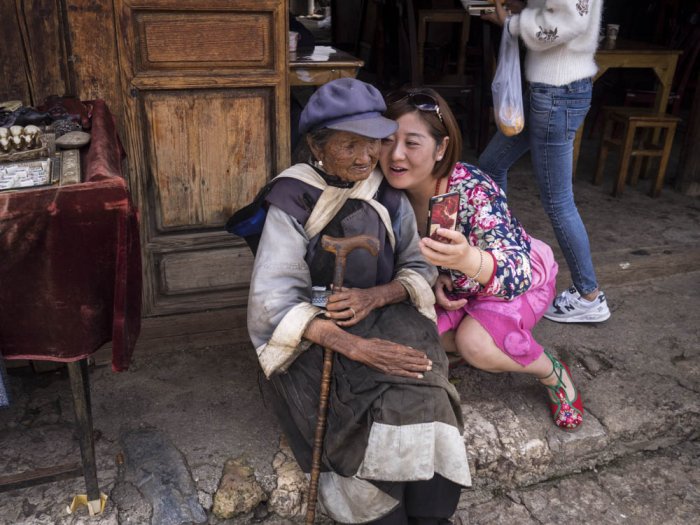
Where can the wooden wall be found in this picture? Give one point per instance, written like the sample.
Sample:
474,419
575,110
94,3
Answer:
59,47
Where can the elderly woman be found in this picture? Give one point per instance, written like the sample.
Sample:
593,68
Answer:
393,449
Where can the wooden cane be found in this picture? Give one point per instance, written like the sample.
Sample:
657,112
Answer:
341,247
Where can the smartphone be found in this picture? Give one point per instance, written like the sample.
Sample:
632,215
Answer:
442,213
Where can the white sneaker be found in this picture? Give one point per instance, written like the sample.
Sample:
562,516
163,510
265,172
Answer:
570,307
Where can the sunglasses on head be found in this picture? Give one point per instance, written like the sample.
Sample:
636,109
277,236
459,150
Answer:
420,101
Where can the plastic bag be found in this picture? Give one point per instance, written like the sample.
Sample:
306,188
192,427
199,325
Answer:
507,88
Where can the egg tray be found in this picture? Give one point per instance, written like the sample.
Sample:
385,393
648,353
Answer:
28,154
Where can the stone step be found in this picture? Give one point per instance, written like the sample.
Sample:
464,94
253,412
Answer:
514,444
638,373
660,488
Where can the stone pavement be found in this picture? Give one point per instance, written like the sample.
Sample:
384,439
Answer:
180,423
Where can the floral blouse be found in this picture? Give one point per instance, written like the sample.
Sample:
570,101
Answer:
488,224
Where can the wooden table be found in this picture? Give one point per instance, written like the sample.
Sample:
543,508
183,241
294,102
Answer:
71,274
321,65
630,54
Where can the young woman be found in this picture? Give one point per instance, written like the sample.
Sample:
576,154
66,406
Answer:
495,280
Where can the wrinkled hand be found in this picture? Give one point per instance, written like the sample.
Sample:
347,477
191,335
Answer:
392,358
452,255
349,306
443,285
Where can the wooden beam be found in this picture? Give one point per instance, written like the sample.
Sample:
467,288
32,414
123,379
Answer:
177,333
91,37
40,475
13,71
42,35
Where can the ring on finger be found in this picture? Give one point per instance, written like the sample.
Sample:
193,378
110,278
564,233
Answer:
353,312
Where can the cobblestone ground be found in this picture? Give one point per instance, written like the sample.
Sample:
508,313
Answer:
661,487
202,411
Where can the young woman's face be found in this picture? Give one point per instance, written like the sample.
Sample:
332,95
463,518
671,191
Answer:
348,156
408,156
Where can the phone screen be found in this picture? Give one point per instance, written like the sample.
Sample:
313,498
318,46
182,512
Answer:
442,213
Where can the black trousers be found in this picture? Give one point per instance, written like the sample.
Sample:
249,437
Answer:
430,502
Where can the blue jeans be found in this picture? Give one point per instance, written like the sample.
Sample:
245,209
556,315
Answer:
554,116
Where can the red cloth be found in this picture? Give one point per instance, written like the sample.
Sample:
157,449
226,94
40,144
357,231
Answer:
70,263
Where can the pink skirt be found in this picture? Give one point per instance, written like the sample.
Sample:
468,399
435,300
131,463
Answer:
510,323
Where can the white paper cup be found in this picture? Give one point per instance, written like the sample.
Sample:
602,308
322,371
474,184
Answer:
612,31
293,40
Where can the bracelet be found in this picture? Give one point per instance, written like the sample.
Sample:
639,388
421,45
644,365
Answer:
481,266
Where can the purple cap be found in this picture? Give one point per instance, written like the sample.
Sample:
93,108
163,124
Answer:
347,104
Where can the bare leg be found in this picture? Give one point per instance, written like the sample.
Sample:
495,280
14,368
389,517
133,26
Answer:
447,341
477,347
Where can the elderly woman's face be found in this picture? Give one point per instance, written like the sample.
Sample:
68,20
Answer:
348,156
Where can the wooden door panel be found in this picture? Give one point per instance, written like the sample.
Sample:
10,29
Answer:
205,271
204,40
209,153
208,118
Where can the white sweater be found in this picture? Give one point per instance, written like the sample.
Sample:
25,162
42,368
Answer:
561,37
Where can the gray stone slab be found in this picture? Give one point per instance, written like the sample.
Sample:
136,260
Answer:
661,488
161,474
497,511
132,506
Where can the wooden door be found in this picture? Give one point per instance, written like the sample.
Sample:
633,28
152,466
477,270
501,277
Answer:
207,123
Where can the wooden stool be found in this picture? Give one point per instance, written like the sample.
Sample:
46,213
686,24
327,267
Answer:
630,120
452,16
456,85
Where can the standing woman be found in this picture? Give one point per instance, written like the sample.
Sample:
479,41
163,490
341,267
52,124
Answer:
561,37
496,281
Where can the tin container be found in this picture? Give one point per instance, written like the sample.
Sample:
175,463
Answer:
319,296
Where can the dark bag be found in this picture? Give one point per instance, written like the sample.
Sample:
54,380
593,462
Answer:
248,222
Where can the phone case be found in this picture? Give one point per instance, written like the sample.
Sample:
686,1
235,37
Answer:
442,213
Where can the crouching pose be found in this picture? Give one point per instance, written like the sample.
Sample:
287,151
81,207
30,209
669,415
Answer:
496,280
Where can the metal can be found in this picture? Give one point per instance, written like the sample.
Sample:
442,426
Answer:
319,296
